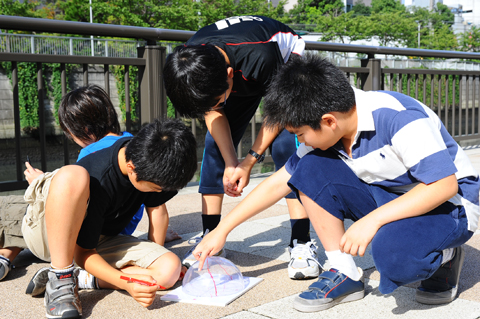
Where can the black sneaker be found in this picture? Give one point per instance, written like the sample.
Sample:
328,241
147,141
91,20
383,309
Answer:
38,283
442,286
61,296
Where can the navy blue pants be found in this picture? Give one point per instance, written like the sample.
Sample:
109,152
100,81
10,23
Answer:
239,112
404,251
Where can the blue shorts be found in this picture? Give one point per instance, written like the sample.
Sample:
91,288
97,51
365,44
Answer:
404,251
239,112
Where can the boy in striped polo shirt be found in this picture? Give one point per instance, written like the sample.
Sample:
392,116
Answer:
385,161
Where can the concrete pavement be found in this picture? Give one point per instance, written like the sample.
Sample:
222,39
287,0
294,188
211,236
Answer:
258,248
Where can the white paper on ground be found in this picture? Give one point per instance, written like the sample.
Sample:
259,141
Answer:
179,296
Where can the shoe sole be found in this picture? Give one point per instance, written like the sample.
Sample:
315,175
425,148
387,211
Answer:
305,305
439,298
66,315
301,274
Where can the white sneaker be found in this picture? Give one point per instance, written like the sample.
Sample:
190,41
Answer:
303,261
189,259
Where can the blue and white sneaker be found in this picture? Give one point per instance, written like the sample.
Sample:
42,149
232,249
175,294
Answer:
303,260
332,288
5,267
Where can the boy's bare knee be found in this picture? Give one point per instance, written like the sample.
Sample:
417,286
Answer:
167,269
72,179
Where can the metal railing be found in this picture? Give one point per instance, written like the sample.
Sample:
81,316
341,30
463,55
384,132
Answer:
57,45
452,94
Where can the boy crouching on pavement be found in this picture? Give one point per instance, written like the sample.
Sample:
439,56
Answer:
382,159
79,211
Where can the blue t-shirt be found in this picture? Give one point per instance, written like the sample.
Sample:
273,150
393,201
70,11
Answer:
105,142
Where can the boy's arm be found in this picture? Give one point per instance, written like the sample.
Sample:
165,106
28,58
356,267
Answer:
157,223
264,139
92,262
217,124
418,201
262,197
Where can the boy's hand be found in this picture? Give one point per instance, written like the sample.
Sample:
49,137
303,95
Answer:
241,176
143,294
31,173
211,243
358,236
229,183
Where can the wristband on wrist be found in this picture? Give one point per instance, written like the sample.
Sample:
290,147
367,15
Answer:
259,157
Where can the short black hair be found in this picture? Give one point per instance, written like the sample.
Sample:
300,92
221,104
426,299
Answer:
88,114
305,89
164,152
195,76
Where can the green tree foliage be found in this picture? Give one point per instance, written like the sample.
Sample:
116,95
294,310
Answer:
470,40
359,8
16,8
344,28
384,6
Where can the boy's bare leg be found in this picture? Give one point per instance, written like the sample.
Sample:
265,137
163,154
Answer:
165,270
329,228
7,255
10,252
296,209
64,212
212,204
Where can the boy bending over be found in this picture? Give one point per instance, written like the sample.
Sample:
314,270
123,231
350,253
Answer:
382,159
85,207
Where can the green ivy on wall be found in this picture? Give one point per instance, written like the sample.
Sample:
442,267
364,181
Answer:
28,90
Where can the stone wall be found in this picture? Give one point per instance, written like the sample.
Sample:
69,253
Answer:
95,76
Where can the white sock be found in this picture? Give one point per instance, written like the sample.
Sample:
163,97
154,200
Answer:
86,280
447,255
344,263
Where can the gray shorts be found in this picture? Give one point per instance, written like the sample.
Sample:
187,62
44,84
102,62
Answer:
12,210
119,251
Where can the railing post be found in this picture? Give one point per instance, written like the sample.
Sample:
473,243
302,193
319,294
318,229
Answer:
372,81
153,98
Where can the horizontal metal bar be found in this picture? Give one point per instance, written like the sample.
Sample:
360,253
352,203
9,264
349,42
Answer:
354,69
341,47
97,29
466,137
13,186
69,59
429,71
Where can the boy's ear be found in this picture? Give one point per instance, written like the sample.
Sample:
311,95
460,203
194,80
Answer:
130,167
230,72
329,120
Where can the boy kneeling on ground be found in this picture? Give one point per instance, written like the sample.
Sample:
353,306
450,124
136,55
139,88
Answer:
85,206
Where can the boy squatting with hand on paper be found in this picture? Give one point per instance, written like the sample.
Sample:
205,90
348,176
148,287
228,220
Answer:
221,74
382,159
87,205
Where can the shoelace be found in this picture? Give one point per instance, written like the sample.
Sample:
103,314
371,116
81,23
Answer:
308,250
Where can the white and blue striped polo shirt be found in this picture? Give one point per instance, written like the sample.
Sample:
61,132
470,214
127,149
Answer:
401,142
